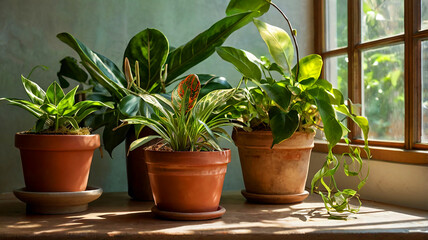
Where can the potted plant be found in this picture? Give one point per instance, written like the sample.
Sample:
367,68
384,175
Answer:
108,83
283,109
187,166
56,153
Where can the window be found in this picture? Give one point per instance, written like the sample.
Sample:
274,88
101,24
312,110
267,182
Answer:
376,53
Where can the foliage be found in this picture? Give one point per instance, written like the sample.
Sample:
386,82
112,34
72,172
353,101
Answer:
298,101
186,123
159,67
53,109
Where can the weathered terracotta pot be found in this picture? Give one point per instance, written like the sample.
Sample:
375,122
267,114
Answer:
187,182
136,168
56,163
280,171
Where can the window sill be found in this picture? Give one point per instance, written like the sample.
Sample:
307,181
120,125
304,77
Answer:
380,153
115,216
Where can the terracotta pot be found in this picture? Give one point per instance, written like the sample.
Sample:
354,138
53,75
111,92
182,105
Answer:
56,163
281,170
187,182
136,168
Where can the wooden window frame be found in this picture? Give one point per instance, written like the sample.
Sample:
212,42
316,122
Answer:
411,151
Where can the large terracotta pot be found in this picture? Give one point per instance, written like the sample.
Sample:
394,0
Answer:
276,175
136,168
56,163
187,182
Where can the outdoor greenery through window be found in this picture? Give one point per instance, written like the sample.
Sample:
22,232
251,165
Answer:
376,53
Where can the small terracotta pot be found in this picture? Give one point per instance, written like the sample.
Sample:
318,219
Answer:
281,170
136,168
56,163
187,182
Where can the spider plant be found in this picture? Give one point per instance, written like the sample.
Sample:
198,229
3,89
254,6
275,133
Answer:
185,123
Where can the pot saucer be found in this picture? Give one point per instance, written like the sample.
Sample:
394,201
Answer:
189,216
58,202
275,199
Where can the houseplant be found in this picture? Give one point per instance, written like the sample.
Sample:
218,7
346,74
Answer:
108,82
187,166
56,153
285,112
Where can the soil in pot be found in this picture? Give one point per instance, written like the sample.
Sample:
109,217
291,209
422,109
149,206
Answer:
276,175
56,163
187,182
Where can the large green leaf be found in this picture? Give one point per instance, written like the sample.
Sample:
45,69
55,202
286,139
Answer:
132,105
309,67
71,69
112,138
245,62
203,45
210,83
101,68
150,48
279,93
278,42
283,125
54,94
239,6
34,92
67,102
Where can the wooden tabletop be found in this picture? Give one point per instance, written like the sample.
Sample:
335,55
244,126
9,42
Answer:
115,216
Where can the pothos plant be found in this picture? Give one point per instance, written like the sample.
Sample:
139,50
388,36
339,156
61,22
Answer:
159,64
55,111
287,99
186,123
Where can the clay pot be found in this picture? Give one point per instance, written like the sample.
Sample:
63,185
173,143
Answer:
187,182
282,170
136,168
56,163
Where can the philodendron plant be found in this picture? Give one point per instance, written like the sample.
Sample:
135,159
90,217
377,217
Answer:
55,111
287,99
159,66
186,123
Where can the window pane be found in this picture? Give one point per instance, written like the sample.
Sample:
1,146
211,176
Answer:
383,92
336,69
424,14
381,18
424,59
336,23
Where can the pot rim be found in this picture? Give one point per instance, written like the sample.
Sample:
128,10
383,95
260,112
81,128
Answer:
54,135
56,142
188,158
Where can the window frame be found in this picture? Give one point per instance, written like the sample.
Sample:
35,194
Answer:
409,151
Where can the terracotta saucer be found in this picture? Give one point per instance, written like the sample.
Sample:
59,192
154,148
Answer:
58,202
189,216
275,199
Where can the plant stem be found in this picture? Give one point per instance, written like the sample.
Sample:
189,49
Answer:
294,38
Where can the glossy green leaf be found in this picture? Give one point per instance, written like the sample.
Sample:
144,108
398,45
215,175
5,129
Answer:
71,69
239,6
67,102
283,125
245,62
132,105
210,83
202,46
34,92
112,138
54,94
150,48
309,67
101,68
279,93
34,109
278,42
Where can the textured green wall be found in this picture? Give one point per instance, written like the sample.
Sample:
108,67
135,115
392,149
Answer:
27,38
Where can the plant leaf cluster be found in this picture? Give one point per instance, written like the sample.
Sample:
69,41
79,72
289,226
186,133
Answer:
54,109
159,66
287,99
186,123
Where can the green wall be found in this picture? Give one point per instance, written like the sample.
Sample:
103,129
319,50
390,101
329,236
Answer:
28,37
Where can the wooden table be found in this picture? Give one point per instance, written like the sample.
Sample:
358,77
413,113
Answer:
115,216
